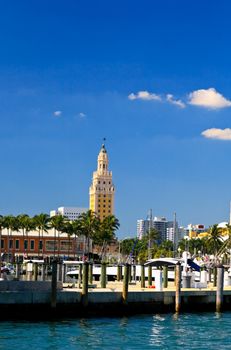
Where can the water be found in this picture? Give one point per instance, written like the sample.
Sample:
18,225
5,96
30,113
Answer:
187,331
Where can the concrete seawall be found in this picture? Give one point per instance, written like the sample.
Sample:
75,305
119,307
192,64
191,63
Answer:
36,304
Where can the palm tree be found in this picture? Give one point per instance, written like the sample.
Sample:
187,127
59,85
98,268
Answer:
42,225
227,243
214,240
89,227
57,222
22,220
11,223
106,232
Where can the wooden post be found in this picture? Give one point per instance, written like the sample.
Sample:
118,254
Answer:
210,274
54,284
220,286
90,273
165,275
103,275
64,270
142,284
129,273
125,284
43,272
35,271
134,273
119,273
214,277
58,271
178,288
85,284
18,268
149,275
80,275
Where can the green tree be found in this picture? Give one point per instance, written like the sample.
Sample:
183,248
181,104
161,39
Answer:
215,240
106,232
57,222
90,225
42,225
226,245
11,223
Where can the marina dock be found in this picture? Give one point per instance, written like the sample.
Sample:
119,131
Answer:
22,299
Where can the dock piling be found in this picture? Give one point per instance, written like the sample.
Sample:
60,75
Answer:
214,277
18,268
80,275
125,284
119,273
142,284
103,275
90,273
220,286
85,284
178,288
165,276
149,275
35,268
54,284
134,273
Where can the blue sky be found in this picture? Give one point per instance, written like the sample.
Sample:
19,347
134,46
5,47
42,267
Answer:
153,77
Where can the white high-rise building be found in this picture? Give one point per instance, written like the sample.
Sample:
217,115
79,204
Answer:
167,229
71,213
142,228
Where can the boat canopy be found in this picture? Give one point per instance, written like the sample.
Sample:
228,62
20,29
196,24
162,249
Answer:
163,262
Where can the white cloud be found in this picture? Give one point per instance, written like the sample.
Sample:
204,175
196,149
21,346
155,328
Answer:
178,103
217,134
144,95
82,115
209,98
57,113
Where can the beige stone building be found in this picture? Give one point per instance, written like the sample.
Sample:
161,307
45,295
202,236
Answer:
102,189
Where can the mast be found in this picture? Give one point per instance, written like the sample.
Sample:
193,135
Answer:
175,238
149,234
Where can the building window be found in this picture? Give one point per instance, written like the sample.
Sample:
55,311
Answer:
2,243
32,244
65,246
104,182
40,245
25,244
51,245
17,244
11,244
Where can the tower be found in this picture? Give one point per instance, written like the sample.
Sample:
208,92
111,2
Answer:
102,189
